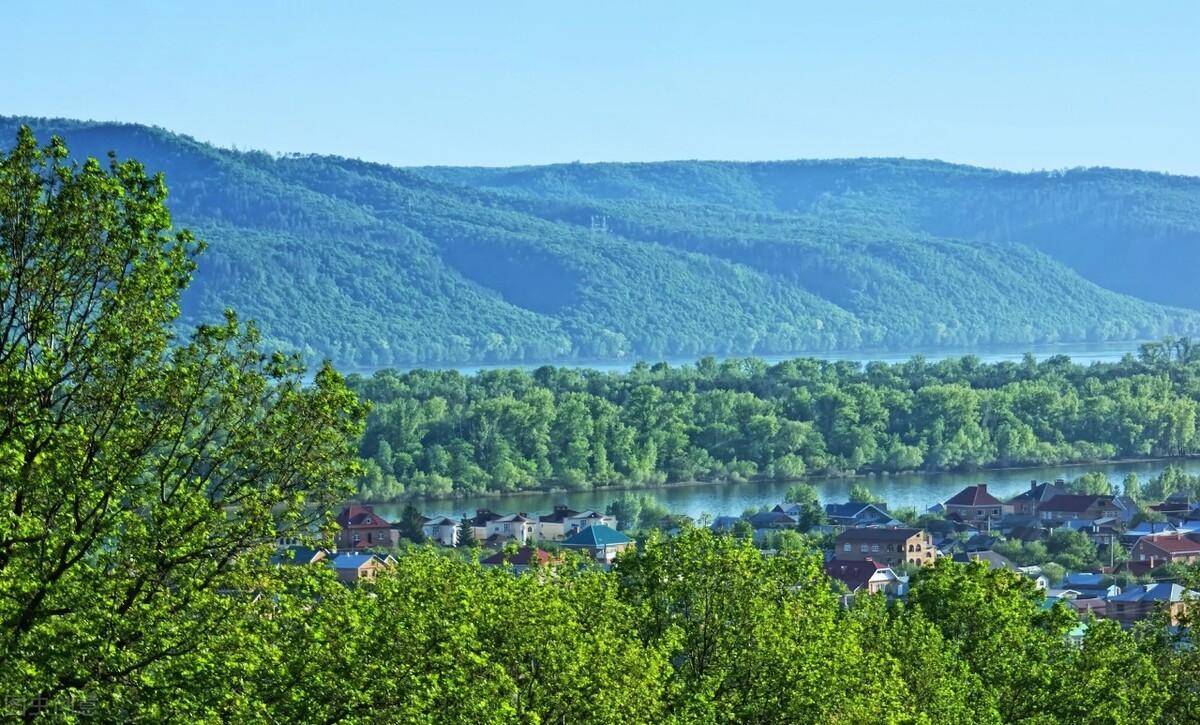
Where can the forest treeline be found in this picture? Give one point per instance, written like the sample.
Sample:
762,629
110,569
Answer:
441,432
370,265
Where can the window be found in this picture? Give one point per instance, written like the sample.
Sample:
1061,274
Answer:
864,548
847,547
875,547
995,512
369,520
356,537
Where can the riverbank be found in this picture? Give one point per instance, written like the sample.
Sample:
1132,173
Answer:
815,480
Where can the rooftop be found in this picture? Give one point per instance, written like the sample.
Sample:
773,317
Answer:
597,536
976,495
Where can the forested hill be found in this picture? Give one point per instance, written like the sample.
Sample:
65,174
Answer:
375,265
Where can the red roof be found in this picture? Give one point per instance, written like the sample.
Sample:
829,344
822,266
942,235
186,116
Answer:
1172,543
361,517
976,495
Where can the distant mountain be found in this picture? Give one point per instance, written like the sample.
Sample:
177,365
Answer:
374,265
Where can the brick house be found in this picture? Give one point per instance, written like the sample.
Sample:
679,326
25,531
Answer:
974,503
362,528
1163,548
891,546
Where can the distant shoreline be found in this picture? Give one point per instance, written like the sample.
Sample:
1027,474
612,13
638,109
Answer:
696,484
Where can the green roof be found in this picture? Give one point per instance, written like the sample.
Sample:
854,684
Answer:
597,536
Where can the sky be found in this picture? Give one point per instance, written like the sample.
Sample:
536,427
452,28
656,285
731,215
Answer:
1019,86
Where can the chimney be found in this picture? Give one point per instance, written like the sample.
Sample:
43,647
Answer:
1033,484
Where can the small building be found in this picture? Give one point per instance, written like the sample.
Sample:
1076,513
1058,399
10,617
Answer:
1026,503
1085,507
975,504
991,558
298,555
479,523
773,520
891,546
522,559
869,576
1163,548
516,527
441,530
361,528
601,542
1139,602
355,567
857,513
1090,585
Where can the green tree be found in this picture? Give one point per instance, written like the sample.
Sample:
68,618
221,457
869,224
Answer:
411,524
144,476
466,533
861,494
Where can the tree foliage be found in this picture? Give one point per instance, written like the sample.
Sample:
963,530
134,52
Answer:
735,420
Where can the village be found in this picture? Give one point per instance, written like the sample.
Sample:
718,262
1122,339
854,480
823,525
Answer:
1100,554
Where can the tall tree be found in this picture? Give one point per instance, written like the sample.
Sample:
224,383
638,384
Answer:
143,477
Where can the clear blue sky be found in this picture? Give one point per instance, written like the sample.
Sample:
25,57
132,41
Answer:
1014,85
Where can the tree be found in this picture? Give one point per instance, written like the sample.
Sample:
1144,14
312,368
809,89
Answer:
144,477
1093,482
412,524
466,533
859,493
811,512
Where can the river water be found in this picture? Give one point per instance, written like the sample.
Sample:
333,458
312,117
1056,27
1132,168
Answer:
1084,353
919,490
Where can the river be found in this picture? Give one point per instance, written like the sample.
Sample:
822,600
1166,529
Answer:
1084,353
919,490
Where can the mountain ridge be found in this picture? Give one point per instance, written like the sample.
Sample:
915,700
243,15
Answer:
370,264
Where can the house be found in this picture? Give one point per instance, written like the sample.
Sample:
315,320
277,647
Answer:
1104,532
991,558
442,530
361,528
553,526
356,566
1163,548
1177,507
773,520
1150,528
857,513
580,521
1090,585
974,503
518,527
1072,506
891,546
479,523
297,555
1040,580
601,542
868,576
1141,601
725,523
1026,503
981,542
522,559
